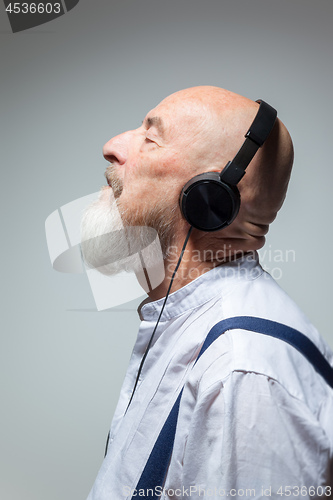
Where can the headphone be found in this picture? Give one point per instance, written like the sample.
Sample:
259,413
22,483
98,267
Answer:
211,201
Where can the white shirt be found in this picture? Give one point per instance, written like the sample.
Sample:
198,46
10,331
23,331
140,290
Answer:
255,417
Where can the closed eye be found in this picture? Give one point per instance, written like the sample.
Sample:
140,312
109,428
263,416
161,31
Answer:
150,141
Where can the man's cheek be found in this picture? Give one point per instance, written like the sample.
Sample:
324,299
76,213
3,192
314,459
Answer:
170,166
139,168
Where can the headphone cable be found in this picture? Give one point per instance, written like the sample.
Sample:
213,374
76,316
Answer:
155,328
160,315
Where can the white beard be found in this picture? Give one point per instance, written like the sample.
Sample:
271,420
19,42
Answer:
111,245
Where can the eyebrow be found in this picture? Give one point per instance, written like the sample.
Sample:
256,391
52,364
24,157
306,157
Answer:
155,121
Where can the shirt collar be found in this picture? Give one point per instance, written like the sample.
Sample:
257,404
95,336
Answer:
217,281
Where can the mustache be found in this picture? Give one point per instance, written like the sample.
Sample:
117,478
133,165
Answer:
113,180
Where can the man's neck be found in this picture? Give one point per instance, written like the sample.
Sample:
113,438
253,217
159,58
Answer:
194,263
203,252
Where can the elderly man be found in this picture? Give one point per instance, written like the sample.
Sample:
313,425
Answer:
255,417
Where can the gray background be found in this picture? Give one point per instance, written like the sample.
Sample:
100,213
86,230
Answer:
67,87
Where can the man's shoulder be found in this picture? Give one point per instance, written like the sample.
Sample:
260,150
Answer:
246,352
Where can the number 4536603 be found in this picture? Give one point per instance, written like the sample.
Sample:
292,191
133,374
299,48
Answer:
304,491
33,8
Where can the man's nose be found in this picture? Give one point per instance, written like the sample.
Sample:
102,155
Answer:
116,149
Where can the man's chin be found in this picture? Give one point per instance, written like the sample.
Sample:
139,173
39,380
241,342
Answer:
112,241
100,221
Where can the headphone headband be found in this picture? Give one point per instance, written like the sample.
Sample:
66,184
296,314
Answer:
211,201
255,137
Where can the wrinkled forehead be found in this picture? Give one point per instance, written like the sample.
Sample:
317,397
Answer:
179,113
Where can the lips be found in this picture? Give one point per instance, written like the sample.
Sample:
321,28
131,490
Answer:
113,180
107,177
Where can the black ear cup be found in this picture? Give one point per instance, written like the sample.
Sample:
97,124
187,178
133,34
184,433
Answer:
209,204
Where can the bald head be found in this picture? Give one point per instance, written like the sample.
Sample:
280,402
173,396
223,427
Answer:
218,120
190,132
193,131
